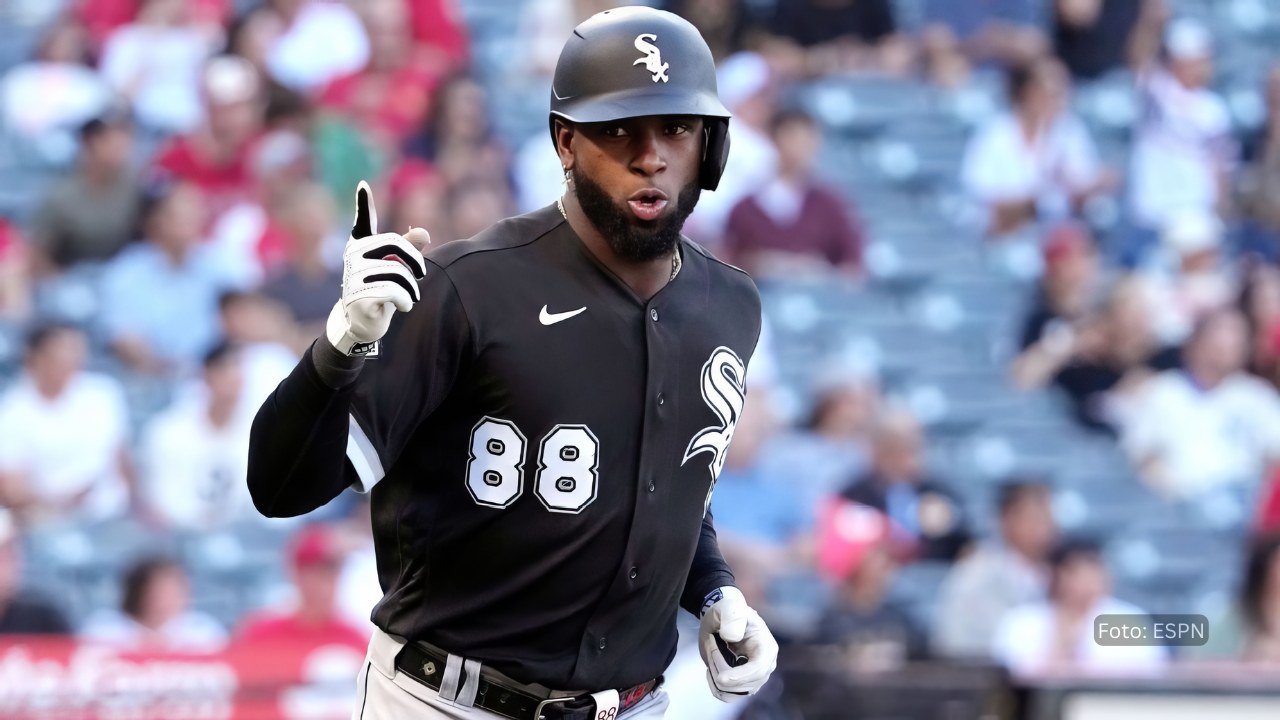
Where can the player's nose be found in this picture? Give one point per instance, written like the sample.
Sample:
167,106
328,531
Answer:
648,158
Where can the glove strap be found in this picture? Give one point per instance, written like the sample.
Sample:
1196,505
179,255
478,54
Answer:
712,598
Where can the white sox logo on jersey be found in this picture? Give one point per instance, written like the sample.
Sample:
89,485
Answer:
652,59
724,390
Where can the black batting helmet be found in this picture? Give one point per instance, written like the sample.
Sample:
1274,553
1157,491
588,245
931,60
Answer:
634,61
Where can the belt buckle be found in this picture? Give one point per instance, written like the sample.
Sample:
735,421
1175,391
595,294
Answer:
537,712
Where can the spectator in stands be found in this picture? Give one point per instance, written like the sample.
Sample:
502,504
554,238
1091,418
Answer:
857,551
1067,288
90,214
833,444
418,199
1189,277
44,100
1258,186
898,485
793,225
722,23
22,612
814,38
1102,360
104,17
15,271
154,63
216,155
1095,37
1008,32
748,88
56,406
155,613
1000,574
310,283
1209,425
1035,162
1259,301
473,206
315,619
261,330
193,454
320,40
764,528
159,296
1249,629
1056,635
390,97
1183,151
459,140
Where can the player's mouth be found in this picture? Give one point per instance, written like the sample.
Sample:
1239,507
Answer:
647,204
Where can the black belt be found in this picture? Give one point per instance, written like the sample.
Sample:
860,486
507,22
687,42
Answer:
506,699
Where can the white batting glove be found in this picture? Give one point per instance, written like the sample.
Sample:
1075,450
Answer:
745,634
380,274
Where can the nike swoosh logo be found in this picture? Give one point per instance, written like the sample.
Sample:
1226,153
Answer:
549,318
561,99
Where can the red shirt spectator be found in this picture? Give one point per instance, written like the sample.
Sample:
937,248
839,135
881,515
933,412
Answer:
317,560
102,17
438,24
391,97
217,156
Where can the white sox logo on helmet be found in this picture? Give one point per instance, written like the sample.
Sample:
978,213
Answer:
724,390
652,59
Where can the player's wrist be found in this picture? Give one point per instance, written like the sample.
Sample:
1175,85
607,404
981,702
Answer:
335,369
721,593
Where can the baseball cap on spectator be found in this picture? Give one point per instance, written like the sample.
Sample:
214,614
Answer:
1190,232
1065,240
848,532
315,545
229,79
742,76
1187,39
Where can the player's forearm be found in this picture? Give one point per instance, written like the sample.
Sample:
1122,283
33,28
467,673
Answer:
297,450
708,570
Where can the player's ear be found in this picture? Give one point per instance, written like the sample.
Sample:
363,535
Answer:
564,132
366,223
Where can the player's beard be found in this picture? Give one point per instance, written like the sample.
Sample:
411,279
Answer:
629,237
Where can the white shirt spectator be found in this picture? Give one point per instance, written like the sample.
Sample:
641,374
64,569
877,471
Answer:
1002,165
1026,634
326,40
1181,145
68,445
194,475
51,97
189,632
1205,438
159,67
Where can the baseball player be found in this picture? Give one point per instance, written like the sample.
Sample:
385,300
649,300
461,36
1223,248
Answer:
541,429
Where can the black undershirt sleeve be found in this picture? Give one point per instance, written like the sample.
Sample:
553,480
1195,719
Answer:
298,444
708,571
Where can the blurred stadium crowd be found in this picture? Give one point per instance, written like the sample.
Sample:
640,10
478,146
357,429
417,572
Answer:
1018,258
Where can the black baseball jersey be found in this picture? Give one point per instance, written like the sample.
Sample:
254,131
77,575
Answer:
541,445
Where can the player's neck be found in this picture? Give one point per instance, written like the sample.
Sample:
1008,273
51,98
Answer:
644,278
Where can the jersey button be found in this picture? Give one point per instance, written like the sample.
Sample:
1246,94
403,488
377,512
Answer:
634,572
603,643
653,314
652,487
661,399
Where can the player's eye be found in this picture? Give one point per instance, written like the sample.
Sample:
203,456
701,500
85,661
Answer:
678,128
615,131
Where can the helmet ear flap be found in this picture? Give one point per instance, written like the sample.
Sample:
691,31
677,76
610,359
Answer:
715,151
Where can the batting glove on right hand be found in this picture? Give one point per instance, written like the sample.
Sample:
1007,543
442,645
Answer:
744,633
380,274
